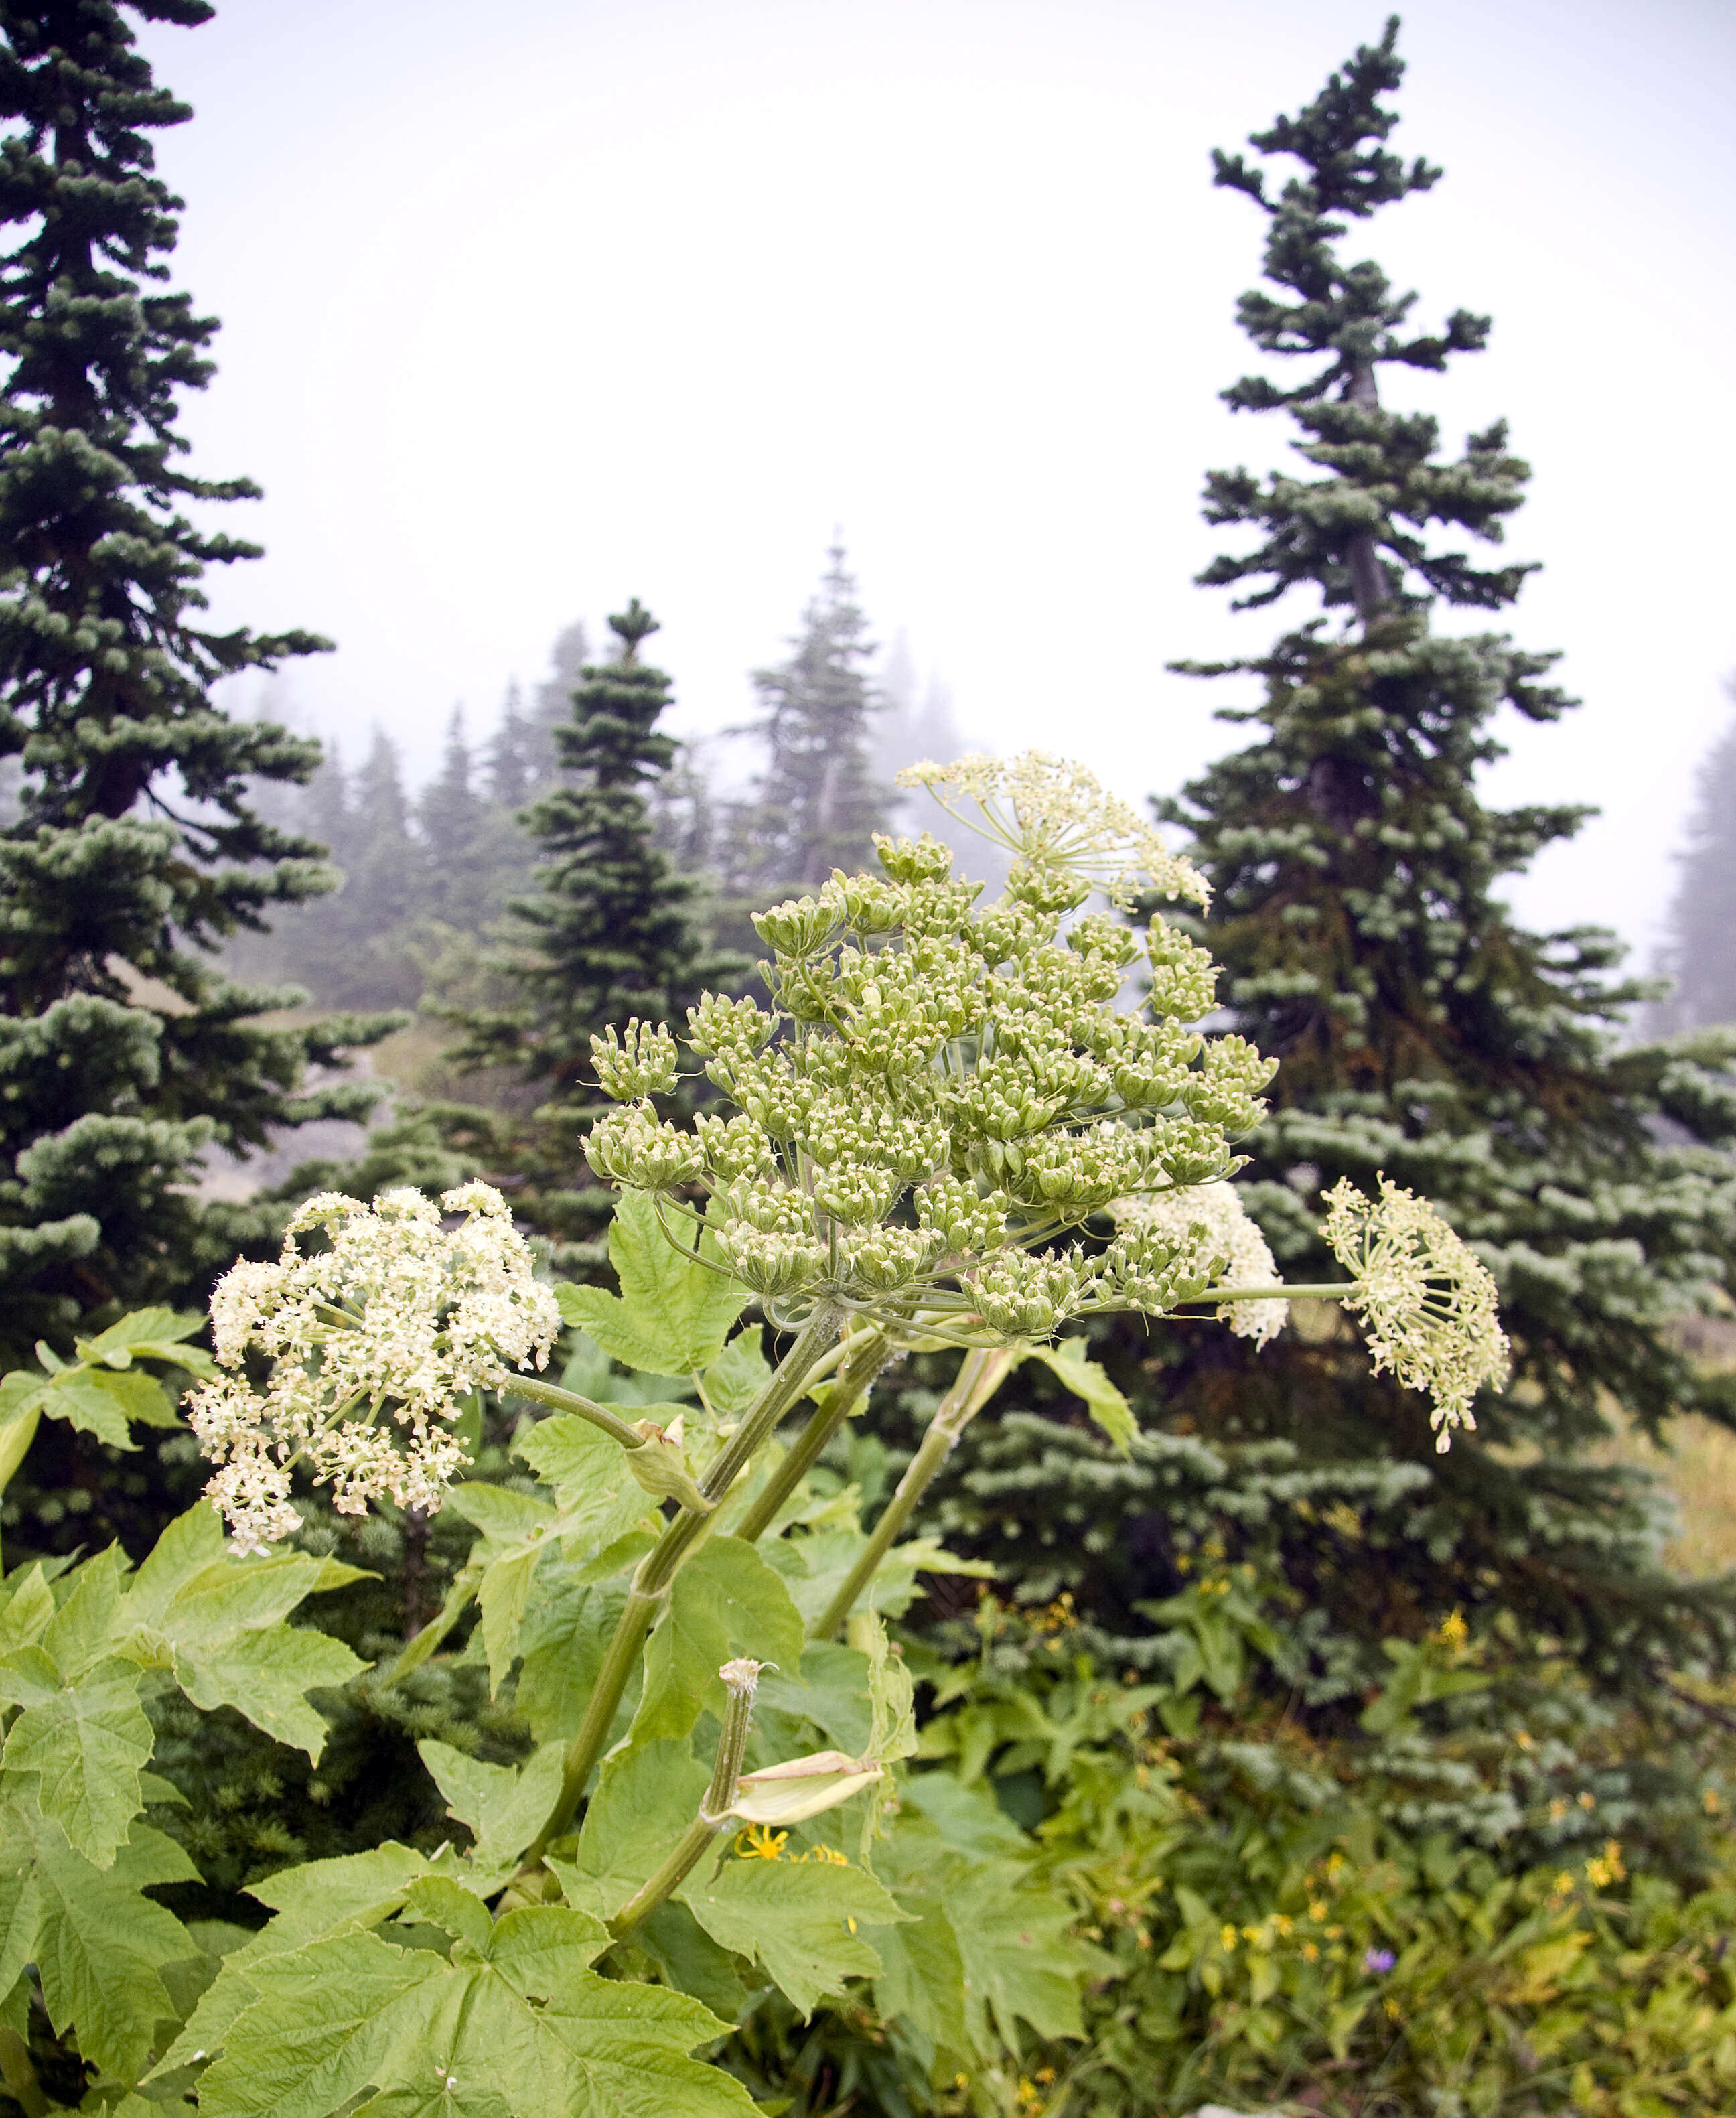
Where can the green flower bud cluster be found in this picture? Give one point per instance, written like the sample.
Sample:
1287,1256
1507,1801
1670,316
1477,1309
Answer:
942,1095
642,1062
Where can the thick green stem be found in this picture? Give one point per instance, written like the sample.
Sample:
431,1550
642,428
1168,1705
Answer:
659,1566
566,1400
1329,1290
15,1443
869,1353
740,1679
980,1375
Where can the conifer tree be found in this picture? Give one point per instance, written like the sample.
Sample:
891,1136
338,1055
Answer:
613,930
1701,953
1422,1032
817,804
133,851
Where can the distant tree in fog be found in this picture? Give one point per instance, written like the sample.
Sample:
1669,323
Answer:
818,801
1700,950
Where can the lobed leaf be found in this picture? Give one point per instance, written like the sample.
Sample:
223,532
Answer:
673,1313
85,1741
725,1602
799,1920
516,2022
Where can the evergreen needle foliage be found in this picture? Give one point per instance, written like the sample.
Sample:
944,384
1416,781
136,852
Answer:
1420,1032
133,851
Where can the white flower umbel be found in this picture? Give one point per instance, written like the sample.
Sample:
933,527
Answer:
943,1094
1212,1216
1425,1299
373,1340
1053,814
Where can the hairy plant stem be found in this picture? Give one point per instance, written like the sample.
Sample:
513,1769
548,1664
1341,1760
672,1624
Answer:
980,1375
660,1565
869,1353
740,1679
566,1400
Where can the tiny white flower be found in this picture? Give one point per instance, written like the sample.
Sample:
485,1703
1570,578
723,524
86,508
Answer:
1225,1231
373,1339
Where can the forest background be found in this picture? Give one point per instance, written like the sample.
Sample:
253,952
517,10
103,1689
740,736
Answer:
1494,1689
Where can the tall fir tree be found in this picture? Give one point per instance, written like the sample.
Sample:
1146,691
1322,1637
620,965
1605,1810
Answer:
1700,954
133,851
817,803
1422,1032
613,930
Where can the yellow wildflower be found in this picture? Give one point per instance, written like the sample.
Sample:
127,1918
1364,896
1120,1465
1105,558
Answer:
760,1843
1454,1633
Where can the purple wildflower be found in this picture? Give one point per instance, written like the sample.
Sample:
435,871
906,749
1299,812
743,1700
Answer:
1379,1960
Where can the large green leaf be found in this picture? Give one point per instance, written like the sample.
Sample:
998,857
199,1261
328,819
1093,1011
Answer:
518,1529
599,1498
86,1739
672,1314
956,1848
815,1563
102,1943
20,1902
194,1591
217,1623
322,2028
565,1641
522,2015
357,1890
921,1985
645,1799
1090,1382
725,1602
81,1632
28,1612
831,1690
266,1675
152,1334
801,1920
505,1805
690,1961
104,1401
739,1373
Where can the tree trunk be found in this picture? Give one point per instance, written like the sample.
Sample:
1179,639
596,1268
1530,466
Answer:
1368,576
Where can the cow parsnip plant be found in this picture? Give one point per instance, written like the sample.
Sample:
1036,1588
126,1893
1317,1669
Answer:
953,1126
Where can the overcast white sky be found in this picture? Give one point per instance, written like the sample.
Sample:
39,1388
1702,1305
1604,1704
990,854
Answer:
531,307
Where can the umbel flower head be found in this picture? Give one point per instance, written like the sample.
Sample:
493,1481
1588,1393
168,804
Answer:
943,1094
1050,812
374,1339
1213,1217
1425,1299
